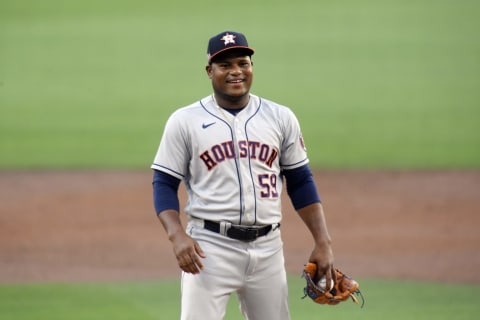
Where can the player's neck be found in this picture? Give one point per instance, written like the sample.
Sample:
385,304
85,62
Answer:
235,111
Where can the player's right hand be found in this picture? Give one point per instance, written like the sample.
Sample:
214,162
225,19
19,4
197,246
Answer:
188,253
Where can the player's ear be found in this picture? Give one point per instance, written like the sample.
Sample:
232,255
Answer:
208,68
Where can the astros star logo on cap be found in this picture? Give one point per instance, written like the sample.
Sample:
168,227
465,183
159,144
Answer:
228,38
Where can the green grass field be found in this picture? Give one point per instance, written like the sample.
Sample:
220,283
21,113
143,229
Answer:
374,83
159,300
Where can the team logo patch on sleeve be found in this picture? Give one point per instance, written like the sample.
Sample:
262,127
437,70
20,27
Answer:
302,143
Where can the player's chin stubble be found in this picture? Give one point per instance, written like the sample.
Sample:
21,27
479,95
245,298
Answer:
232,98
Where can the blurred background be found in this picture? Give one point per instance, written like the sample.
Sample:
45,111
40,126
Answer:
387,84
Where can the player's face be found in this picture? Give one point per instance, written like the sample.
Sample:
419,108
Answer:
231,76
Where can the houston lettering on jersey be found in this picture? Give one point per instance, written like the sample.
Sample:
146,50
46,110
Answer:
225,150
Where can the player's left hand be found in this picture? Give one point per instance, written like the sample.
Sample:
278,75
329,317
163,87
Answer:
322,257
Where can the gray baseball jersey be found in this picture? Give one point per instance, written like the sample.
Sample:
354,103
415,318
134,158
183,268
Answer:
231,164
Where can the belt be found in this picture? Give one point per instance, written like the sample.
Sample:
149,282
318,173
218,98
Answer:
238,232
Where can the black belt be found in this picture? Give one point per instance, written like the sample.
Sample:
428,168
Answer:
243,233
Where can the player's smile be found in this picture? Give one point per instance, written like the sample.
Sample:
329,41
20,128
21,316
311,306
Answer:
237,82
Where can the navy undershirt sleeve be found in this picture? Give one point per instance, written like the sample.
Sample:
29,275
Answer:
165,192
301,187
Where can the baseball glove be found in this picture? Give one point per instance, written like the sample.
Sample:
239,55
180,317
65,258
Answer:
344,288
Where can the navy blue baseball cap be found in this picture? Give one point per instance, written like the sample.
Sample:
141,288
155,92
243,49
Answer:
227,40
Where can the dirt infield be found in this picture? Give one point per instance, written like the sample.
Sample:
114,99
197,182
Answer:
100,226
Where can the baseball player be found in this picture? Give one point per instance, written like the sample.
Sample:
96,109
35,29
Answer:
233,150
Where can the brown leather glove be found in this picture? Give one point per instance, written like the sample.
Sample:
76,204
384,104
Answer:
344,287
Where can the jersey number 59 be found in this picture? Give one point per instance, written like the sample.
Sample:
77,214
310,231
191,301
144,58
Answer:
268,182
